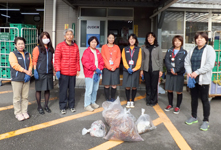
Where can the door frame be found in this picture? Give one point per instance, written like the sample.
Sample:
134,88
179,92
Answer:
106,19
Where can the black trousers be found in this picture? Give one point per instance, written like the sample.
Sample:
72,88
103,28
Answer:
65,83
203,92
151,82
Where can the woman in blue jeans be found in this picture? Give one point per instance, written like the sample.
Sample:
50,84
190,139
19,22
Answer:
92,62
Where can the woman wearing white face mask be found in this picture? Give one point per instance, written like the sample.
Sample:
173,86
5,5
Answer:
43,70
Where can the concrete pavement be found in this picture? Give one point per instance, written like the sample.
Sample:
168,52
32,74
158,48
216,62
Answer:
54,131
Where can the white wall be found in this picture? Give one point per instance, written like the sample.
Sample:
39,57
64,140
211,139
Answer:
48,16
64,15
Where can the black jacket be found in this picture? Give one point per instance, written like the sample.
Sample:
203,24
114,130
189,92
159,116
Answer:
179,61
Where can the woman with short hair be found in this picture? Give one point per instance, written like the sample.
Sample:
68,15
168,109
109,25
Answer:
93,64
43,70
111,73
131,57
152,67
21,71
199,64
174,61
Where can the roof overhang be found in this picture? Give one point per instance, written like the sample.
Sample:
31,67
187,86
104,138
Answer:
118,3
197,4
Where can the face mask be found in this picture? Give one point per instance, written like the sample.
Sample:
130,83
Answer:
45,41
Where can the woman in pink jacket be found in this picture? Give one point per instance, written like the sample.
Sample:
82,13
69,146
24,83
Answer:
92,62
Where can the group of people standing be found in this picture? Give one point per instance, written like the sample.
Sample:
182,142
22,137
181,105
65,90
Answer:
198,64
145,63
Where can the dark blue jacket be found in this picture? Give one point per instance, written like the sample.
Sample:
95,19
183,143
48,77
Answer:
44,64
17,75
128,55
179,61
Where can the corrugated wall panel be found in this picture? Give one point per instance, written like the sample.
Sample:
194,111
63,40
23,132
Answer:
64,15
48,16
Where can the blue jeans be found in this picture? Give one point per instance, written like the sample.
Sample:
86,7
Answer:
90,91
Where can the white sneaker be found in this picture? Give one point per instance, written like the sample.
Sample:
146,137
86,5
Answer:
72,110
20,117
95,106
63,111
25,115
89,108
131,104
128,104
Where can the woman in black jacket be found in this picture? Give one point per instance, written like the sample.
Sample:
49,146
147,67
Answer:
43,70
174,61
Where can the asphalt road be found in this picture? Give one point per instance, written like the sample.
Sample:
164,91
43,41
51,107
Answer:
54,131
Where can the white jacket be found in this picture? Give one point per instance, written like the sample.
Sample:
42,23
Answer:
207,64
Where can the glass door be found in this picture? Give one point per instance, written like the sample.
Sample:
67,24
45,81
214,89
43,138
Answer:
121,30
92,28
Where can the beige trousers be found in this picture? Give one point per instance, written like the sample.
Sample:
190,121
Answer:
20,96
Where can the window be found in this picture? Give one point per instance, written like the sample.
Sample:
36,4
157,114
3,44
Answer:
195,22
216,24
92,28
120,12
95,12
172,25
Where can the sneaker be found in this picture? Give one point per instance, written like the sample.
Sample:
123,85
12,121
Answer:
89,108
204,126
72,110
20,117
191,121
131,104
25,115
128,105
63,111
176,110
95,106
168,108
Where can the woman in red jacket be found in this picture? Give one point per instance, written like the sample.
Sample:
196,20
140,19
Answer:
92,62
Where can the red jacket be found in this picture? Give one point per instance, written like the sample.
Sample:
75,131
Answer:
67,59
88,62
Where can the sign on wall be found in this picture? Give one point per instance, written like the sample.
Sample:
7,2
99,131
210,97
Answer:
73,27
66,26
136,30
93,29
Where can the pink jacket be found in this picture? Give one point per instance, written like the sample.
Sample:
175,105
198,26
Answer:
88,62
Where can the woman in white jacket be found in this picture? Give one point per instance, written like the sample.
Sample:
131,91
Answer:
199,64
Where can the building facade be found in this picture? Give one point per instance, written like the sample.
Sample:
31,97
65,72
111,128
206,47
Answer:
166,18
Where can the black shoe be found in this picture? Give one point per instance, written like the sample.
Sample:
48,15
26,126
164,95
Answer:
47,109
148,103
153,104
41,111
